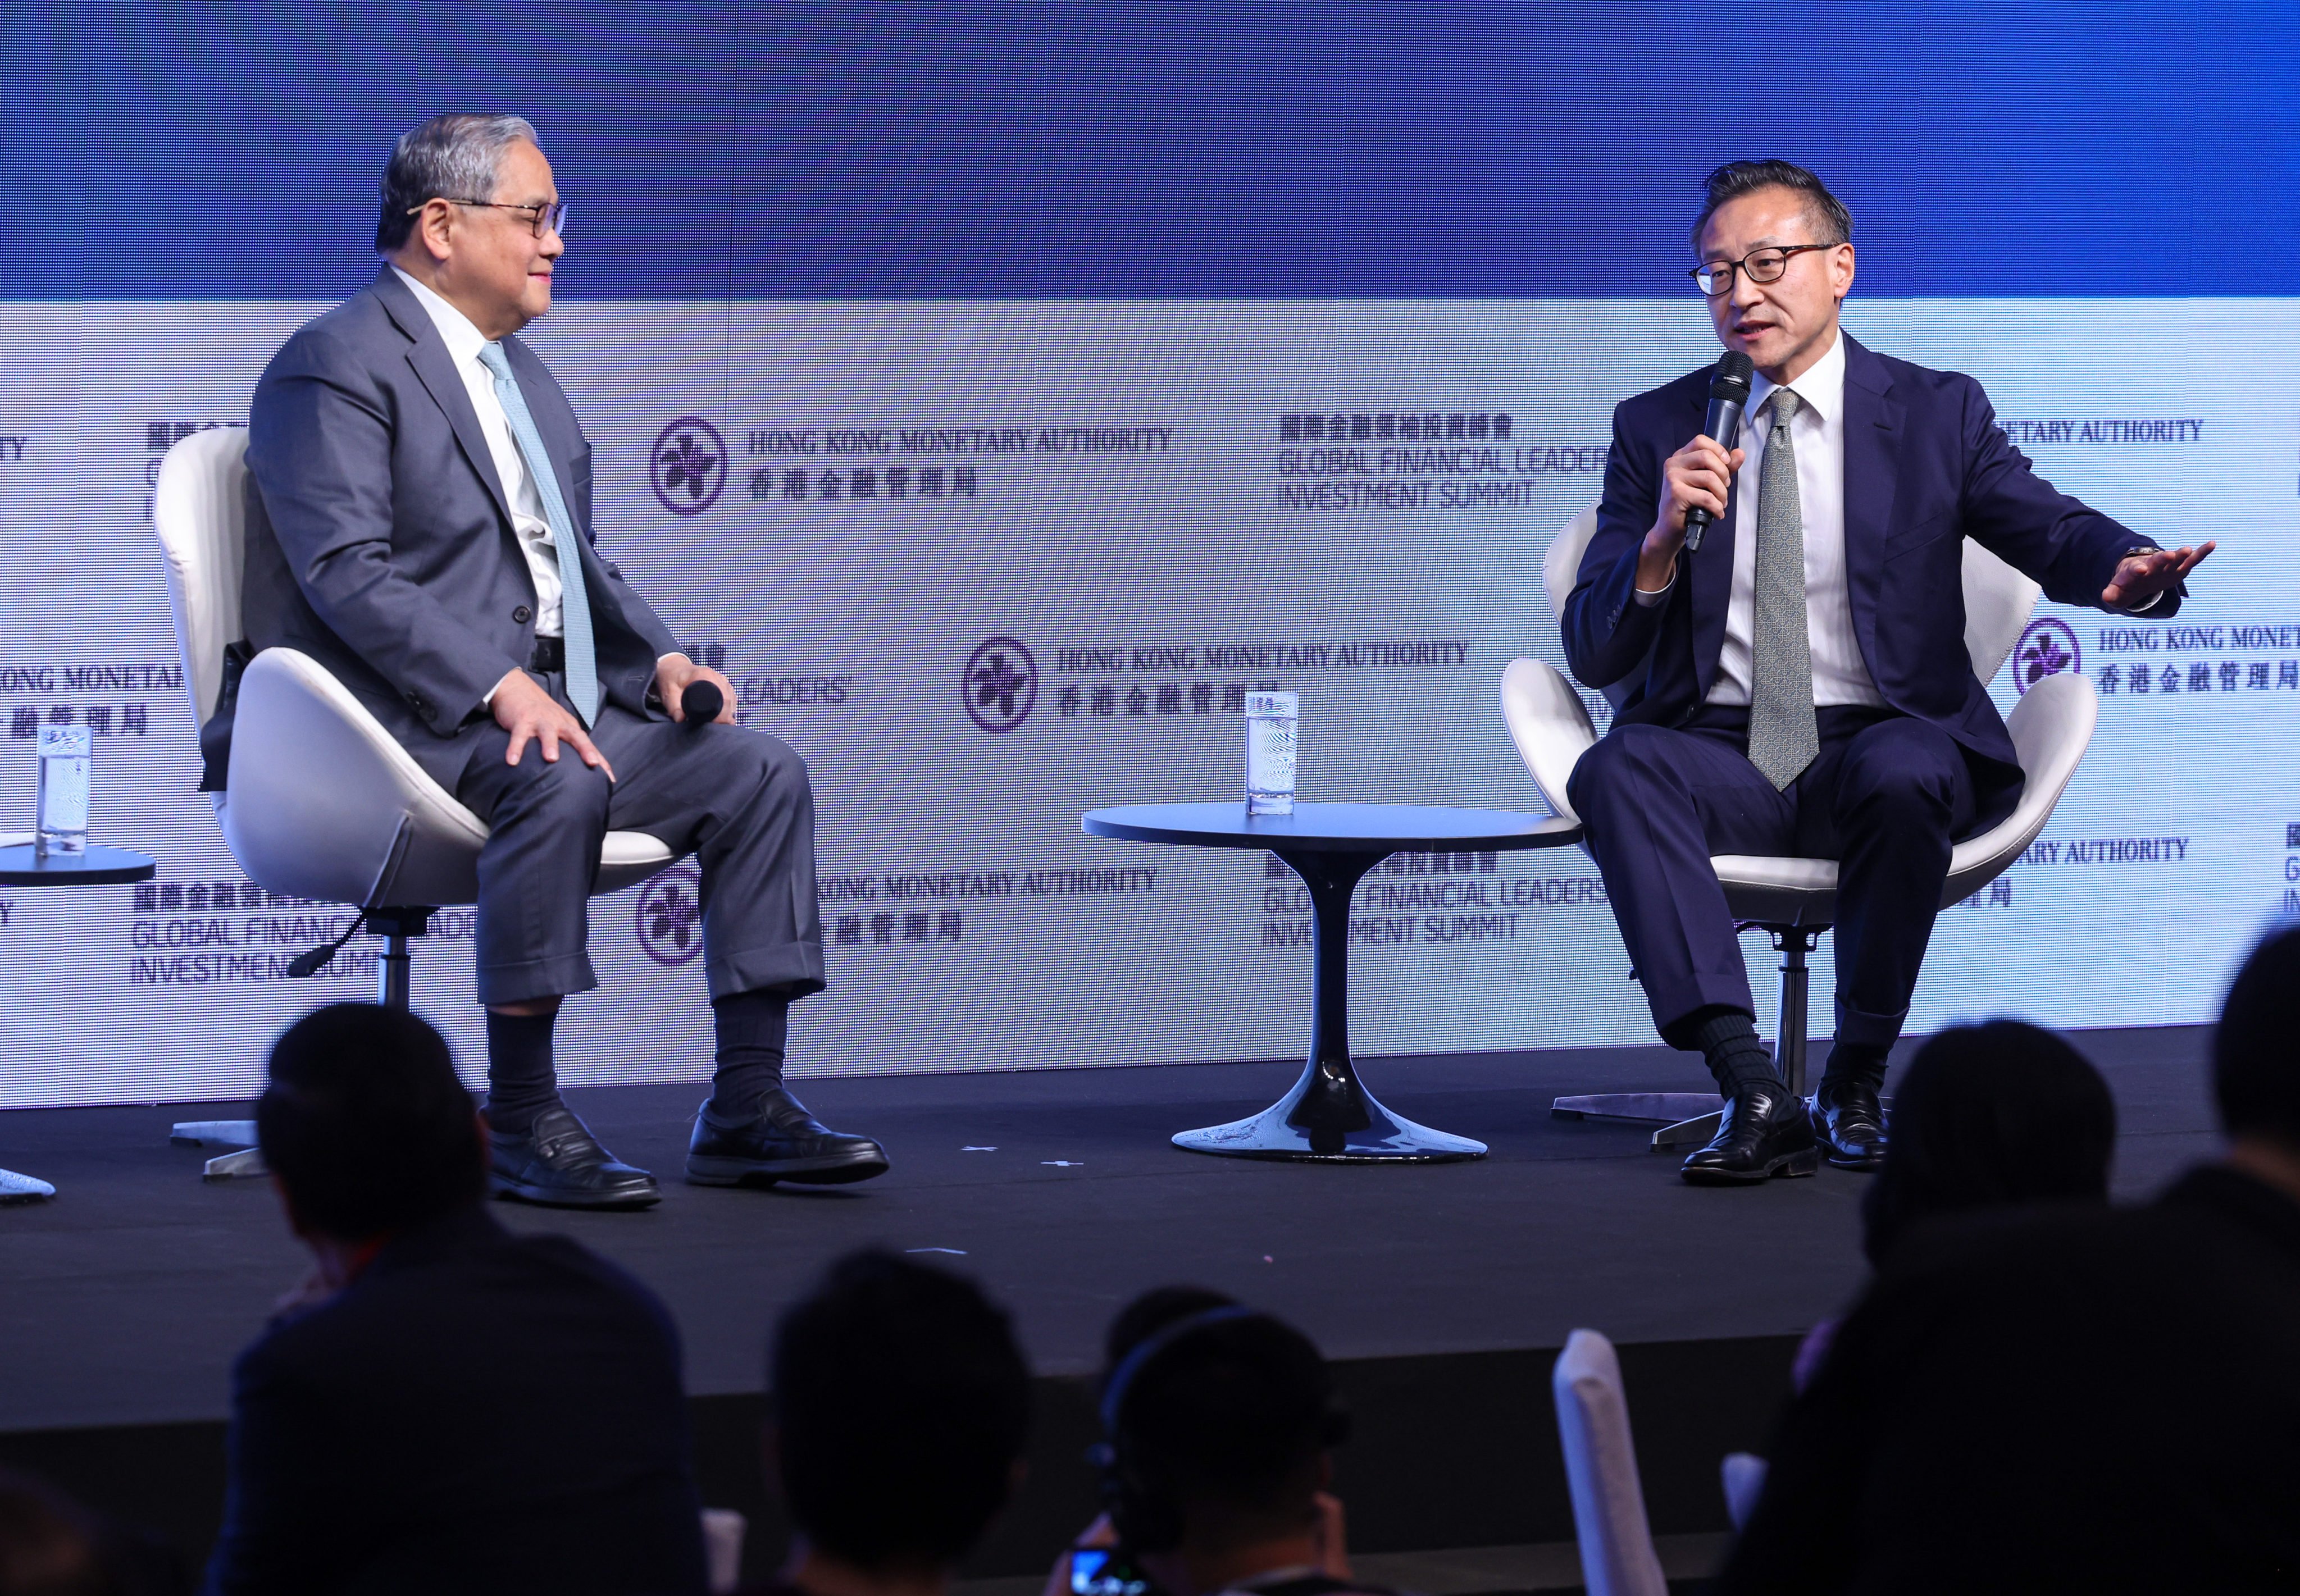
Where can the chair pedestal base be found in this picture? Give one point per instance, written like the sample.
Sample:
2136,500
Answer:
246,1162
213,1133
395,926
1687,1118
244,1165
1690,1119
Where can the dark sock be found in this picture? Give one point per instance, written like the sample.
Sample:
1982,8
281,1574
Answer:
520,1084
1727,1040
1852,1062
752,1027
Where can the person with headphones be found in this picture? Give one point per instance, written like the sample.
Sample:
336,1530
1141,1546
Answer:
1219,1424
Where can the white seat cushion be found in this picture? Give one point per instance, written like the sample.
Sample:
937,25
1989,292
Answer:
323,803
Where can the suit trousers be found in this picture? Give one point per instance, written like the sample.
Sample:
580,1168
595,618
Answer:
1884,797
738,800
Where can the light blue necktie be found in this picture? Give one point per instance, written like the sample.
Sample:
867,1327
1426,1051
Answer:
574,602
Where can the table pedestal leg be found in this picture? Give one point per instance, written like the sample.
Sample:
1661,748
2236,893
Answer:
1329,1117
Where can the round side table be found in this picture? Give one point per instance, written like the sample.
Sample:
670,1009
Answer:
1329,1117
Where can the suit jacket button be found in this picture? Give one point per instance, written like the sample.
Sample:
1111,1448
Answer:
522,614
1617,616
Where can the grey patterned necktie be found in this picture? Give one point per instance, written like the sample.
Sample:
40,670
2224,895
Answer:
1783,734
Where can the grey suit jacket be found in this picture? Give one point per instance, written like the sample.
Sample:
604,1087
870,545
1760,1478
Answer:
380,541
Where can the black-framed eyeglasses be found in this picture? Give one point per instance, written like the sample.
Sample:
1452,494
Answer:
1764,266
550,217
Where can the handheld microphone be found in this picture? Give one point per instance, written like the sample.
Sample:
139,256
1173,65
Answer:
1729,392
701,703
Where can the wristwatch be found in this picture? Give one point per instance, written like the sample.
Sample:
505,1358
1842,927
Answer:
2154,598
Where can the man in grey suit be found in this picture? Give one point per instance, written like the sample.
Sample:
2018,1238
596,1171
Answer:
419,523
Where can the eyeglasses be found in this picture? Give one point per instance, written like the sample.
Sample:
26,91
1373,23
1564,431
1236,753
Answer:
1764,266
549,217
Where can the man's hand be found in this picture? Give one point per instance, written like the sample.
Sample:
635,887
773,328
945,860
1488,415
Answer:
1697,477
524,709
2142,577
672,672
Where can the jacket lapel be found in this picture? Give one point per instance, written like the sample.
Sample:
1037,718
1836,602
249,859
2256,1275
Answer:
1872,452
428,356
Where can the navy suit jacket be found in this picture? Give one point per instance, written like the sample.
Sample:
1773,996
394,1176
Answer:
478,1411
380,541
1925,467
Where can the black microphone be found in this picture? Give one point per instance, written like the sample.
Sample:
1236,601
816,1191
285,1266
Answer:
1728,393
701,701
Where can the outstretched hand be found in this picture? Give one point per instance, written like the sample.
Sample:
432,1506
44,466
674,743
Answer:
2142,577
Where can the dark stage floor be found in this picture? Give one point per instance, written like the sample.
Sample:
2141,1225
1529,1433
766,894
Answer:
128,1294
128,1297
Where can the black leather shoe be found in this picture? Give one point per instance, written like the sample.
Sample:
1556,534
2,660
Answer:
781,1142
1850,1123
1765,1132
559,1163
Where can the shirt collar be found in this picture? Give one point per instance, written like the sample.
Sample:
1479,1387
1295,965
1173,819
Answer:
1822,387
463,340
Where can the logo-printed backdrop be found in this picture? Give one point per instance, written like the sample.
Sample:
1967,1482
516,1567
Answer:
987,565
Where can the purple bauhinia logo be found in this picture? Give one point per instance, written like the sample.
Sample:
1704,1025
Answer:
689,466
671,915
1000,685
2046,648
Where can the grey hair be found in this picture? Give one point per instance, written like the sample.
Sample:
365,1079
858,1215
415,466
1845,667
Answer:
453,156
1832,223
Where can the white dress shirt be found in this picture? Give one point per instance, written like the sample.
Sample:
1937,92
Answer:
465,343
1839,674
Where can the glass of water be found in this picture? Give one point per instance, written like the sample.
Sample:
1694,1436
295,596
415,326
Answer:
1272,719
63,805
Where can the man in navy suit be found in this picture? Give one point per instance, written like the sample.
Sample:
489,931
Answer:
419,523
442,1405
1799,684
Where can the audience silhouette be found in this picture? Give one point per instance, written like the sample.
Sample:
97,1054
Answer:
2001,1115
444,1407
2036,1392
2094,1400
900,1405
